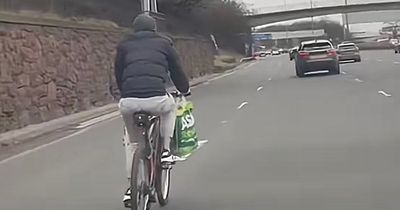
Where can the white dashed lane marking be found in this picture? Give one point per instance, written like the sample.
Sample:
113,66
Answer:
242,105
358,80
384,93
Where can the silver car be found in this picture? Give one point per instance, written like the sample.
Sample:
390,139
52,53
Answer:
316,55
349,52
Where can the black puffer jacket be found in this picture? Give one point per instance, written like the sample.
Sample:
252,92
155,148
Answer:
143,62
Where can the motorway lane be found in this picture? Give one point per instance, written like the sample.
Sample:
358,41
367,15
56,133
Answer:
276,142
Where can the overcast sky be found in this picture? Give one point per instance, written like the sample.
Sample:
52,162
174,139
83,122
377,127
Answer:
293,4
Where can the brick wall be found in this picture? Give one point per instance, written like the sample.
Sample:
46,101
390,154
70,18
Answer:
48,72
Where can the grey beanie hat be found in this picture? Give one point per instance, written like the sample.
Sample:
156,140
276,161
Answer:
144,22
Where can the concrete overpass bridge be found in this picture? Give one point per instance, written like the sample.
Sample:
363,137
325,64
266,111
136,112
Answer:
267,18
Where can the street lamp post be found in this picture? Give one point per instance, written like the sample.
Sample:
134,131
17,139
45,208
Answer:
286,26
149,6
145,5
346,18
312,17
154,7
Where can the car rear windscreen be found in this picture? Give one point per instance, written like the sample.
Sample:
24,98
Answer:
317,46
347,47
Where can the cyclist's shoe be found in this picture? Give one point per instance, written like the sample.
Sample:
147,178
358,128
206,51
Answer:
127,199
167,157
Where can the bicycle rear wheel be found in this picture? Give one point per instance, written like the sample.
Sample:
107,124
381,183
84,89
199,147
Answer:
163,184
140,193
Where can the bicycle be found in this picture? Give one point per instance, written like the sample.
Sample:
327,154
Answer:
149,176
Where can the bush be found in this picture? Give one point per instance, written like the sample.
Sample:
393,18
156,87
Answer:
222,18
227,59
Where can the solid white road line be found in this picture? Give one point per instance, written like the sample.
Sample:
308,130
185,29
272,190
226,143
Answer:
98,120
250,65
222,76
42,146
84,126
242,105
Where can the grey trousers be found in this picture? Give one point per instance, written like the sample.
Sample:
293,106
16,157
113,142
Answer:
163,106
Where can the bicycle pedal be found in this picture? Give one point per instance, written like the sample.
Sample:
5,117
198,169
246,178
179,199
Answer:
167,166
152,199
128,204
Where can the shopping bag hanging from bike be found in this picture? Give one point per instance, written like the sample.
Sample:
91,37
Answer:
185,135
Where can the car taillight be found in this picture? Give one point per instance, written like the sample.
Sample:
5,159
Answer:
304,55
332,53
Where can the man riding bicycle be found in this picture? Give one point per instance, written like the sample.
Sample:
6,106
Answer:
144,62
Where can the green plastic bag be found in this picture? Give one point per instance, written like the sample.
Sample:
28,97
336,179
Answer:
185,134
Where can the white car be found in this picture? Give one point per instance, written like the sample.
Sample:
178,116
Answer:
275,52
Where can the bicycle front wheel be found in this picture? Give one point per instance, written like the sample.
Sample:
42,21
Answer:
140,195
163,179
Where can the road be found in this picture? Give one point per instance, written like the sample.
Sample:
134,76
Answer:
275,142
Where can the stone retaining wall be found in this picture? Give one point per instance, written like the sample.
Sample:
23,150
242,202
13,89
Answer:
48,72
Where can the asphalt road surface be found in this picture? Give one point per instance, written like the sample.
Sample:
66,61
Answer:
276,142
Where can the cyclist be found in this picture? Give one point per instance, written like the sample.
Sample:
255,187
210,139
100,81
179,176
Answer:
143,64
